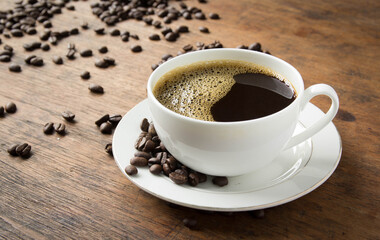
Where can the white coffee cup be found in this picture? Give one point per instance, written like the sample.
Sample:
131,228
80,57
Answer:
235,148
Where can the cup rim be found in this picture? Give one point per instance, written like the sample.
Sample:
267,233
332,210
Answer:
194,120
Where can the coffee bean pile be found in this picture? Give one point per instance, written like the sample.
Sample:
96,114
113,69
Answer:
107,123
152,152
22,150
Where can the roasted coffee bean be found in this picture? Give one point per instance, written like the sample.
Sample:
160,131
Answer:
203,29
258,213
193,179
84,25
86,53
60,128
45,35
152,130
183,29
154,66
71,46
214,16
154,161
255,47
155,169
68,116
12,150
202,177
149,146
103,49
5,58
115,119
267,52
242,47
100,63
14,67
71,7
71,54
144,126
131,170
190,223
166,30
166,57
139,161
31,31
53,40
115,32
178,176
28,47
187,48
156,24
85,75
57,60
106,128
11,107
2,111
74,31
134,36
167,20
23,150
143,154
109,61
36,45
166,169
49,128
45,47
29,58
220,181
108,149
102,120
136,48
154,37
47,24
162,146
37,61
200,15
17,33
172,163
141,143
148,20
187,15
125,38
99,31
171,37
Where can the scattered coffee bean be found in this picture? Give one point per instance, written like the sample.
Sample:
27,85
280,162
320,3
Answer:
49,128
258,213
204,29
53,40
115,119
103,49
108,149
31,31
17,33
47,24
193,179
131,170
28,47
11,107
60,128
214,16
14,68
144,126
85,75
200,16
115,32
149,146
139,161
29,58
100,63
183,29
102,120
136,48
71,54
37,61
255,47
109,61
155,169
154,37
154,160
242,47
187,48
202,177
267,52
190,223
5,58
99,31
84,25
57,60
68,116
154,66
166,57
70,8
143,154
74,31
134,36
2,111
178,176
23,150
171,37
45,47
86,53
106,128
220,181
125,38
156,24
12,150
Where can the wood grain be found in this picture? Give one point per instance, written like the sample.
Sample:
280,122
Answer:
71,189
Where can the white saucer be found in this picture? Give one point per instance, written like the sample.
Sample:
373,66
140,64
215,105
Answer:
293,174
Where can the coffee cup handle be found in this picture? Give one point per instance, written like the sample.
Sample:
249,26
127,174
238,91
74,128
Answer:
309,93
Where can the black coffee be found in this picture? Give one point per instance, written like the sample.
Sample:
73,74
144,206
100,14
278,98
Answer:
223,91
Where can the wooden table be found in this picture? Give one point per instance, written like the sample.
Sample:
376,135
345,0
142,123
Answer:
71,189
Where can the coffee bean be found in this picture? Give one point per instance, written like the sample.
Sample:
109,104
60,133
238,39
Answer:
60,128
242,47
5,58
152,130
187,15
139,161
149,146
102,120
53,40
203,29
2,111
154,66
220,181
23,150
166,30
134,36
70,8
214,16
193,179
154,161
71,54
131,170
85,75
144,126
84,25
156,24
200,15
31,31
154,37
99,31
29,58
74,31
155,169
136,48
14,68
190,223
47,24
17,33
178,176
28,47
187,48
45,47
143,154
12,150
109,61
68,116
115,119
57,60
11,107
103,49
166,57
45,35
37,61
125,38
108,149
36,45
100,63
183,29
255,47
48,128
115,32
148,20
172,163
267,52
106,128
166,169
258,213
86,53
171,37
202,177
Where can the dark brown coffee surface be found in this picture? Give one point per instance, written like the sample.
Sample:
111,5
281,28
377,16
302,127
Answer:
222,90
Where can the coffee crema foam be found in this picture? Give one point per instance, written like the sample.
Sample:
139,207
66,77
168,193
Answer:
193,89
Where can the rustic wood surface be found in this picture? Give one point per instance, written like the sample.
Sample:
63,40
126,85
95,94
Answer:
71,189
